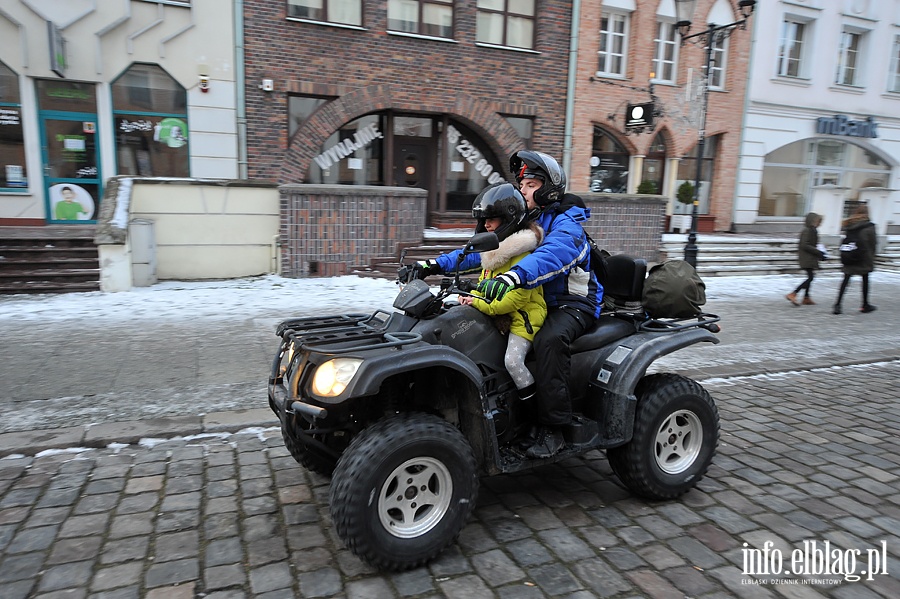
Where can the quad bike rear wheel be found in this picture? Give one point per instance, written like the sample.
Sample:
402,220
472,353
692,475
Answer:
403,489
676,430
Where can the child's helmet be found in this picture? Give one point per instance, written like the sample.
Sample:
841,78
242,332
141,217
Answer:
527,164
504,201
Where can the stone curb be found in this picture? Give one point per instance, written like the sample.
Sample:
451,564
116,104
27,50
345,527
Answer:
102,435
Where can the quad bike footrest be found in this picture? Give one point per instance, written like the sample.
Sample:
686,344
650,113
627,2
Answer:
582,431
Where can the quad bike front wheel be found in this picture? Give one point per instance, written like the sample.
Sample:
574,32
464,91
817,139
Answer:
676,430
403,489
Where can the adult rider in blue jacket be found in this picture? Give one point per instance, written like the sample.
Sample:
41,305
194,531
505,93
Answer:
562,265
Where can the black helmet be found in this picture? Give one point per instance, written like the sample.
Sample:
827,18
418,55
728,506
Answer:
527,164
504,201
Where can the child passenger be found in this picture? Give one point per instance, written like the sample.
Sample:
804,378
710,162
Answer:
501,209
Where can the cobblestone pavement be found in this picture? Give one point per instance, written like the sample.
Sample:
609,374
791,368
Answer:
168,480
805,457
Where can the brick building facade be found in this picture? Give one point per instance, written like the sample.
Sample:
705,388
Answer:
605,86
365,103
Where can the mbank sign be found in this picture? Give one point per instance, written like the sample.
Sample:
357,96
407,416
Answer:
839,124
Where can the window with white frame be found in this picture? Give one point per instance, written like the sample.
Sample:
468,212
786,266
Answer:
848,68
506,23
425,17
791,49
613,44
343,12
665,50
719,62
894,83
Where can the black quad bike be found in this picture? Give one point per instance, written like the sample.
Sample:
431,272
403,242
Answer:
406,410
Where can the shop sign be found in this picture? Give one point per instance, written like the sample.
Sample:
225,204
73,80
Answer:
346,147
472,155
839,124
58,62
9,116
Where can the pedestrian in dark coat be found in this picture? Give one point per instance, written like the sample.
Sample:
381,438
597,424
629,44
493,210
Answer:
809,256
859,221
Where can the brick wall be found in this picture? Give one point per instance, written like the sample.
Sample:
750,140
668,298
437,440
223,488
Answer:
602,101
626,224
368,70
327,229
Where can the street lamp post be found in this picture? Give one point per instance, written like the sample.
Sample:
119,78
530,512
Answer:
684,12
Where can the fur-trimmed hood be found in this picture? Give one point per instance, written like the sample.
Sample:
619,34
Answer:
518,243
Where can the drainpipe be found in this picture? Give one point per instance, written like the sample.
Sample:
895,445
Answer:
240,84
570,91
748,86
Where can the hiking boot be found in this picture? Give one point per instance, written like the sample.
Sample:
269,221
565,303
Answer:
549,442
808,302
867,308
837,309
792,297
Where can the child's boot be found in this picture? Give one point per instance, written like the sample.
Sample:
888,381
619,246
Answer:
807,301
528,392
792,297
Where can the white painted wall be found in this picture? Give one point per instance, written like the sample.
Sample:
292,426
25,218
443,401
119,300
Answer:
209,231
195,230
103,37
781,111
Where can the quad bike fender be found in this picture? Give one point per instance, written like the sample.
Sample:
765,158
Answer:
376,369
618,369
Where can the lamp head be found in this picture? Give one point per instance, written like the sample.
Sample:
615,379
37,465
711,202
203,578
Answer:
746,7
684,14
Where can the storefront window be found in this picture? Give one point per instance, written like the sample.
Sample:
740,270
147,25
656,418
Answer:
299,109
792,171
524,127
13,176
151,127
655,164
609,164
410,126
784,191
353,155
687,170
470,167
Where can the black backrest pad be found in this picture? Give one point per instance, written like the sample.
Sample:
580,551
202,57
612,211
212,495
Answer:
624,278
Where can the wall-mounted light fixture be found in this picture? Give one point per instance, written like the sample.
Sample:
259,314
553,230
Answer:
267,85
203,74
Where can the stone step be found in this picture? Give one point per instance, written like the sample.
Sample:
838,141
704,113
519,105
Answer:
53,259
43,262
33,287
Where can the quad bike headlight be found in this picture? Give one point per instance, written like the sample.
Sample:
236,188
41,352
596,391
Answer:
333,376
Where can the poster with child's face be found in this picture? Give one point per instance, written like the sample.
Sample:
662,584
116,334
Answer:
71,202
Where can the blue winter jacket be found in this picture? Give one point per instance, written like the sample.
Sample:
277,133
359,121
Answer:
561,263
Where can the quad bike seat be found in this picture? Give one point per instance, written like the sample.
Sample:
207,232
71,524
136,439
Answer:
623,284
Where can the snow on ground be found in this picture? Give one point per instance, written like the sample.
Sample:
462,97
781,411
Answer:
271,294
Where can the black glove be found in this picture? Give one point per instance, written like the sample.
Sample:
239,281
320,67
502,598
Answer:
823,256
496,288
419,270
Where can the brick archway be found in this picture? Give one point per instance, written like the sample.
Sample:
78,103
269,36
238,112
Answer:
482,117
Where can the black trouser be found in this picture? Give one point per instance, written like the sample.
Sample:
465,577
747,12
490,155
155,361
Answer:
810,275
865,288
553,361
